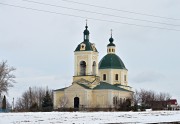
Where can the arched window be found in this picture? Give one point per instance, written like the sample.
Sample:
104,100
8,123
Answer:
82,68
82,46
125,78
86,37
109,50
94,68
116,77
104,77
115,100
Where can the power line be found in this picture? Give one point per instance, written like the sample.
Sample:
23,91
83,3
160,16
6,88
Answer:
100,13
144,14
52,12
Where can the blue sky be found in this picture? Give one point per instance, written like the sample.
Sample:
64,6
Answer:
40,45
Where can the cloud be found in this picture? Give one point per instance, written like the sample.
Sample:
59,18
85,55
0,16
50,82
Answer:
148,76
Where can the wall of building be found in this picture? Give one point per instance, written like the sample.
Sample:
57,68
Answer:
70,93
89,57
57,95
89,98
110,76
83,94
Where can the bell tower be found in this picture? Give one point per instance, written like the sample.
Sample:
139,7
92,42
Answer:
85,59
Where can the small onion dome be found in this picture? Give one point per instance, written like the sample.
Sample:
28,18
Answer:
86,45
86,31
111,42
111,61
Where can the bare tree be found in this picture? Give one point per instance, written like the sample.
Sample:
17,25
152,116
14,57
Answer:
20,104
163,96
6,77
136,97
146,97
63,102
149,98
33,97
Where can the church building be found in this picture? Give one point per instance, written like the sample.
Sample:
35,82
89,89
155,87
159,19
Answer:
95,84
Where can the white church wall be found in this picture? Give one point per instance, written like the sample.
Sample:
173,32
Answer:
89,57
77,91
56,101
110,76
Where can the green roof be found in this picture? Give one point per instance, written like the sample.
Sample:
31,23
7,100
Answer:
101,86
86,87
104,85
62,89
87,48
111,61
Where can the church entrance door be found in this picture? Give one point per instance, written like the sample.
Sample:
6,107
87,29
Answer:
76,102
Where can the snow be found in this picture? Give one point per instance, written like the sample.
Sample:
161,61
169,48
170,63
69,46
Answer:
89,117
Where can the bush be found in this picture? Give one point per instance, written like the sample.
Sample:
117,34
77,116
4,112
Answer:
34,107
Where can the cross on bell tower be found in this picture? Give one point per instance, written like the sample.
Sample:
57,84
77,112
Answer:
86,33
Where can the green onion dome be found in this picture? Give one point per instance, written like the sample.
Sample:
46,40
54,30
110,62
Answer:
88,47
111,61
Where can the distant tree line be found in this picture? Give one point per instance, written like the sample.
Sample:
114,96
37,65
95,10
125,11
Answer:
141,100
35,99
146,99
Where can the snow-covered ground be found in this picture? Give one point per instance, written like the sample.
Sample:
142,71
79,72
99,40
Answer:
89,117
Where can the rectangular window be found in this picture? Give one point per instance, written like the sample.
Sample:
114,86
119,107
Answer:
104,77
116,77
